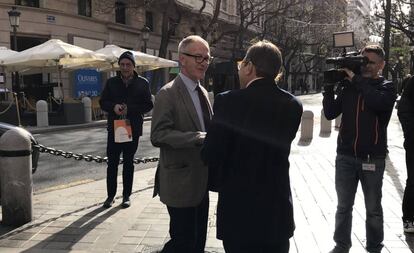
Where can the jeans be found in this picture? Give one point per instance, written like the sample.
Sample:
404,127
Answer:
349,172
113,151
408,200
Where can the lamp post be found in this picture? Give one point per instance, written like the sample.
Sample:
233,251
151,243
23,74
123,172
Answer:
145,37
14,18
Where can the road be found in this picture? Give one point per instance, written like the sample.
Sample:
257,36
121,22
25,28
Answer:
56,171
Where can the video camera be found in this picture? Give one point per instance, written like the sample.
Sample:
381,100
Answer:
352,60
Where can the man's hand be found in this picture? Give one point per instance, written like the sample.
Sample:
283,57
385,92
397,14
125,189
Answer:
349,73
120,109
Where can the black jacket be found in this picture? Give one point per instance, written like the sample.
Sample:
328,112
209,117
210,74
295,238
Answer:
248,142
406,111
136,96
366,106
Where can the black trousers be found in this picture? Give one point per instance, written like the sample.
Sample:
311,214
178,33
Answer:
240,247
113,152
188,228
408,199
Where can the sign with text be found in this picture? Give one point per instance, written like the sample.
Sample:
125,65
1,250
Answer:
87,82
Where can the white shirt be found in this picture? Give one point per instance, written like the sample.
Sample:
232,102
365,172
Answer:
191,87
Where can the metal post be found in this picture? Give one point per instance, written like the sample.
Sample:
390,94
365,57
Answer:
16,177
17,108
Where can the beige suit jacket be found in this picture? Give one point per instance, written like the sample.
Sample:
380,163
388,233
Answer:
181,178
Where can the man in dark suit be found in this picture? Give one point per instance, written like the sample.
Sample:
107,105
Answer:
247,150
180,118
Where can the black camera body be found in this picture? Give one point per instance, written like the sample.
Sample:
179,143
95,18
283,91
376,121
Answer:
352,61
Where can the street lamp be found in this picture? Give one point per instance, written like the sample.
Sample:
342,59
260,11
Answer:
145,36
14,18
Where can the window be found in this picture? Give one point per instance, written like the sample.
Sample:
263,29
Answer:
223,6
172,25
149,20
120,16
30,3
84,8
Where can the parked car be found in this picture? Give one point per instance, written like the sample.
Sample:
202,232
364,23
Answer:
4,127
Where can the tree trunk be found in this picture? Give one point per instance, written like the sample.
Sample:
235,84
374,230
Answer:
387,32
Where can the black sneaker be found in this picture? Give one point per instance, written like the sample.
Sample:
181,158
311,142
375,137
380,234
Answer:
108,202
126,202
408,226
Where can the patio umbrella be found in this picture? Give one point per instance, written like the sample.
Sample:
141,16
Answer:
52,55
5,52
143,61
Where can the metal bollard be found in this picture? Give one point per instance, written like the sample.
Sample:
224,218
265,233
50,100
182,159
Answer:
16,178
306,126
338,121
87,105
326,124
42,116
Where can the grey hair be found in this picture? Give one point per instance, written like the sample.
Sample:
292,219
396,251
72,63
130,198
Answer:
190,39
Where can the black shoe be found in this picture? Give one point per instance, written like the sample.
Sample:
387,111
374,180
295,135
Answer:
339,250
126,202
108,202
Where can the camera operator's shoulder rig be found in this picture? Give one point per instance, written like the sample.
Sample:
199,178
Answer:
352,61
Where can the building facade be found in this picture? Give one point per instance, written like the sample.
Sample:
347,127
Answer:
92,24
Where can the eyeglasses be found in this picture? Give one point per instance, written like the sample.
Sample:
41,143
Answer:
200,58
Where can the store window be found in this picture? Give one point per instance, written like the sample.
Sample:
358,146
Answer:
84,8
149,20
120,13
30,3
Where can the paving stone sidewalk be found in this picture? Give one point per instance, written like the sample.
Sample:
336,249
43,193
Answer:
72,219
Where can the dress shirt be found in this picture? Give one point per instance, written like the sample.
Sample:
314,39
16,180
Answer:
192,90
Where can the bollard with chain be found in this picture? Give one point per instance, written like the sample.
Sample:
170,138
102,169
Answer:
16,177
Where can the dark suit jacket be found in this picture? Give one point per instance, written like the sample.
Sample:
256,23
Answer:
249,144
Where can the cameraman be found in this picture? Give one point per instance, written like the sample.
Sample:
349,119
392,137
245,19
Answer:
366,102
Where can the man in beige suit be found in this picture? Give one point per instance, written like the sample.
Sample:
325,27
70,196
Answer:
180,119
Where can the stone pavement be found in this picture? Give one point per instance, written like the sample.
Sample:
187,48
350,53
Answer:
72,219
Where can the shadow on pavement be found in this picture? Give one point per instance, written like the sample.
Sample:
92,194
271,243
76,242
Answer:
75,231
395,176
9,231
409,238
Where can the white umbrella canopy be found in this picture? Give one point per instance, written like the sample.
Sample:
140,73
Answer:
51,54
143,61
5,52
